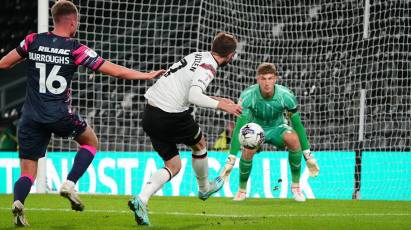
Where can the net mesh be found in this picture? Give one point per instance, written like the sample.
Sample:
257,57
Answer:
318,46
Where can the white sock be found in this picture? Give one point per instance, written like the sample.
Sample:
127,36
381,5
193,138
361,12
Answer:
70,183
200,166
156,181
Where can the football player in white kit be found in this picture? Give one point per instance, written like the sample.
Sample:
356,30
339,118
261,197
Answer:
168,121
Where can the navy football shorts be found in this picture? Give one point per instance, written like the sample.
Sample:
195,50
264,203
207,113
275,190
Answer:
34,136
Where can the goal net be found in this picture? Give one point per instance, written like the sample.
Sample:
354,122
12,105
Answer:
347,62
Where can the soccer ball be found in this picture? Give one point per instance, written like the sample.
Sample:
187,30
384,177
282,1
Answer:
251,136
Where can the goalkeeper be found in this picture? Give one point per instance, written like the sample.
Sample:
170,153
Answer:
265,103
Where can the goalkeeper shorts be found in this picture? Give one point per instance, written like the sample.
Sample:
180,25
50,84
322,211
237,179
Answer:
275,135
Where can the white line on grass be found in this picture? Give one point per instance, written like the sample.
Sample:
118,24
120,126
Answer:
221,215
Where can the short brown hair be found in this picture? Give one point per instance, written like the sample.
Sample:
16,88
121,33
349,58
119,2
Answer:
224,44
266,68
63,8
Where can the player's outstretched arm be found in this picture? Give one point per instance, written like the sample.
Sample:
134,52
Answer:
11,59
196,97
223,99
122,72
229,107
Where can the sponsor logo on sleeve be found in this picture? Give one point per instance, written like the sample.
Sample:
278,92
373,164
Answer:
91,53
210,68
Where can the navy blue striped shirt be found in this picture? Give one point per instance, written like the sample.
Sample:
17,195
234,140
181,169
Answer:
52,61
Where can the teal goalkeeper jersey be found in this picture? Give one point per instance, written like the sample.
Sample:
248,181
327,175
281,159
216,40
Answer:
267,112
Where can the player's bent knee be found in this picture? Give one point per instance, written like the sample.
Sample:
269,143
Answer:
95,143
93,137
200,145
88,137
29,167
291,140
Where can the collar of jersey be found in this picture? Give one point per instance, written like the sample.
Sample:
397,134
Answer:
50,32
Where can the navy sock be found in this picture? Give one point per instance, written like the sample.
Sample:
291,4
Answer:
22,188
82,160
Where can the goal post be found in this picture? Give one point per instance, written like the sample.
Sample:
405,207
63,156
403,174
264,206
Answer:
42,26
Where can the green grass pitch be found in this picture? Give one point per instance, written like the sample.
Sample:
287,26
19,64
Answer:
111,212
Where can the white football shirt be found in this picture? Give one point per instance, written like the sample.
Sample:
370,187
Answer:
170,92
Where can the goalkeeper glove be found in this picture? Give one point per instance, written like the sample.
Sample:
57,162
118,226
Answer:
229,164
311,163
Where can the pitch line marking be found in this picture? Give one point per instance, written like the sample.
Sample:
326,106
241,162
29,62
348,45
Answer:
220,215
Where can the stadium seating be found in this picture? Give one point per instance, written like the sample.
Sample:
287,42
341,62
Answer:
18,19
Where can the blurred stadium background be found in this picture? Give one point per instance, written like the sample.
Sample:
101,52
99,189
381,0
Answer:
348,62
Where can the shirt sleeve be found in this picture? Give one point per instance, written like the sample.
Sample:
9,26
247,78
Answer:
291,103
87,57
24,47
204,74
196,96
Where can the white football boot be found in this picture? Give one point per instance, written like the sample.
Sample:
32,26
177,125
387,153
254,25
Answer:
240,196
298,195
68,191
18,212
311,162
